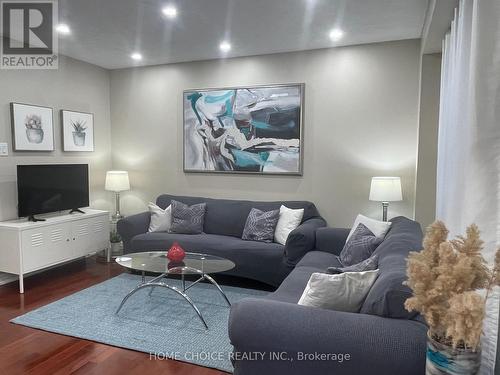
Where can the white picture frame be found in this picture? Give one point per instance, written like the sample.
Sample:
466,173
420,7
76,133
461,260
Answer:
32,127
77,131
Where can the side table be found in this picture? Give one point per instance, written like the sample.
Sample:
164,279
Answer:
116,244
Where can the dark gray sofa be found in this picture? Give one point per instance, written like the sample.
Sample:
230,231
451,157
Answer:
382,339
223,226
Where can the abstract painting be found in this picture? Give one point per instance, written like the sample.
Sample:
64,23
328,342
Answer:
32,127
244,129
78,131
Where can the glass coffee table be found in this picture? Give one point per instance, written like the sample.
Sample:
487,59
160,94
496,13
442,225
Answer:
193,264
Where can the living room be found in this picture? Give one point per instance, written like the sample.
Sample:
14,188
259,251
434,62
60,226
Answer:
249,187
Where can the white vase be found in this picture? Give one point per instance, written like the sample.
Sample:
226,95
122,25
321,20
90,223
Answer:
34,135
79,138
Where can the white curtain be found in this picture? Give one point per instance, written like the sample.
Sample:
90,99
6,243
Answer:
468,171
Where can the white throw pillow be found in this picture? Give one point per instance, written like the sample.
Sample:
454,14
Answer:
161,219
378,228
288,221
342,292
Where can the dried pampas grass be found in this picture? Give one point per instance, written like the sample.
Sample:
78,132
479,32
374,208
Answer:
445,277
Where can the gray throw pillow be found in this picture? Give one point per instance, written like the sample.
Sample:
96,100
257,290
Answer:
359,246
369,264
187,219
260,225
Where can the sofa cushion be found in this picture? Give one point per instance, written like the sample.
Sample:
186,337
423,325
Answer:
228,217
377,227
199,242
340,292
292,287
288,221
161,219
187,219
359,246
260,225
254,260
369,264
388,295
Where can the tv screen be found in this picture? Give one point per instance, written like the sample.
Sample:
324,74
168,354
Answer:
49,188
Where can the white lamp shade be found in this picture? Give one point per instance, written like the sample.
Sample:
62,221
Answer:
117,181
386,189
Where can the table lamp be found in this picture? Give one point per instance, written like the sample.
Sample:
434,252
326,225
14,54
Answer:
117,181
385,190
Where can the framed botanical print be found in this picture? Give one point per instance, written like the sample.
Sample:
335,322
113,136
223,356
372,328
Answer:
78,131
252,129
32,127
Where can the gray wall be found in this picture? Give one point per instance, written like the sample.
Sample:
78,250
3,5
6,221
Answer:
425,198
75,85
360,121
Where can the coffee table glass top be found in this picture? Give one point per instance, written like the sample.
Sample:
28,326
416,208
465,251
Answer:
157,261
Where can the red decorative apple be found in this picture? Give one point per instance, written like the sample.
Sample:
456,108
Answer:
176,253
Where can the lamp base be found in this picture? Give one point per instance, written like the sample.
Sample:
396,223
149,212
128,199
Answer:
385,205
117,216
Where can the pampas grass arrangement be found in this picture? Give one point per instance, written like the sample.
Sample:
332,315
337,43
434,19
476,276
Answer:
446,277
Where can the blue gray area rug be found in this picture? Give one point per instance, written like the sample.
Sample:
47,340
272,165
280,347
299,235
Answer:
162,324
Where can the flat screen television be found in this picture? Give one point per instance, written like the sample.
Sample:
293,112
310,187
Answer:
52,187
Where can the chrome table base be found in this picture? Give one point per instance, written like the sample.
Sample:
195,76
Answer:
156,282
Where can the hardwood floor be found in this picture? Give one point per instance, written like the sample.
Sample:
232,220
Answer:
25,350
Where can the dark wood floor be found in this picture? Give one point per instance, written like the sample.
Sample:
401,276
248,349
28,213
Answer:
25,350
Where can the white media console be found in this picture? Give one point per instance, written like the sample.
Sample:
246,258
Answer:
27,246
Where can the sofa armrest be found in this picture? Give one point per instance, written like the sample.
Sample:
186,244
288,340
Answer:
331,240
131,226
373,343
302,239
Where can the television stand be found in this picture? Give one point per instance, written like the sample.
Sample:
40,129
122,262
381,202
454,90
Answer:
27,247
76,210
34,219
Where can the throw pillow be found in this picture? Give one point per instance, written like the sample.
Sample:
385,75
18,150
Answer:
161,219
343,292
379,228
187,219
369,264
289,219
359,247
260,225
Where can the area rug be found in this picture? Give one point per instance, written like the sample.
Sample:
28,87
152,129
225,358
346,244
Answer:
163,324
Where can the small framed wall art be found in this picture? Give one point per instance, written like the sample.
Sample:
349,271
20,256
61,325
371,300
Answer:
32,127
78,131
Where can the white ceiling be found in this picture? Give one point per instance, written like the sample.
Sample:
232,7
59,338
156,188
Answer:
107,32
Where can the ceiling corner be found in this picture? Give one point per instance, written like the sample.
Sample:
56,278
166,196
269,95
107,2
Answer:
437,23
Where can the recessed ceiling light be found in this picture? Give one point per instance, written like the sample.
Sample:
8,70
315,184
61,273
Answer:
62,28
336,34
225,46
136,56
170,11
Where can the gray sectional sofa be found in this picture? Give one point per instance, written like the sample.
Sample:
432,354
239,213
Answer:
223,226
382,339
